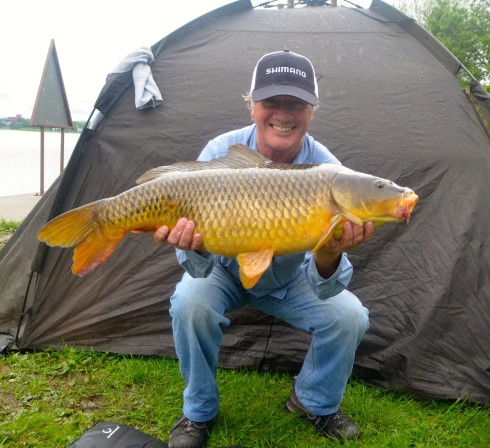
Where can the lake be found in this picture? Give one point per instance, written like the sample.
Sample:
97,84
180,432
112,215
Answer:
20,166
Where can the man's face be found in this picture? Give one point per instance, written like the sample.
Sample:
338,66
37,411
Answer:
282,122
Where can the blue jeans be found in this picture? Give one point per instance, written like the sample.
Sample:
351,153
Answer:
336,324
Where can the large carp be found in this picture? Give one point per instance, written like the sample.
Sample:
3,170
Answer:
244,206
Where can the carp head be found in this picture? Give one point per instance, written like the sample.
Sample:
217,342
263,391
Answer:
362,198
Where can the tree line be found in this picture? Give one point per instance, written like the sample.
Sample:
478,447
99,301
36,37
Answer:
462,26
25,123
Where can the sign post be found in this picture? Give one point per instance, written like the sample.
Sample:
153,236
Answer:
51,109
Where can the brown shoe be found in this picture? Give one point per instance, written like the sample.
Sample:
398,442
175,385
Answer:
188,434
334,425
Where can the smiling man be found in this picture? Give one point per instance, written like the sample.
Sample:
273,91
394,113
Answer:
305,290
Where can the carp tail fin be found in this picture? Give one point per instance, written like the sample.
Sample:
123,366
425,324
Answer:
79,228
94,250
70,228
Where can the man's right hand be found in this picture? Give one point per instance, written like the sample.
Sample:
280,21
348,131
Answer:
182,236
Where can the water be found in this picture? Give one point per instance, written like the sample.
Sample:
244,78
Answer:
20,165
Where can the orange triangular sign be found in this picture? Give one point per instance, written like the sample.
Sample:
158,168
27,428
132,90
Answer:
51,108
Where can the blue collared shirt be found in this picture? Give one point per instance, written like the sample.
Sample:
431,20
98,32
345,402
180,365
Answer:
284,268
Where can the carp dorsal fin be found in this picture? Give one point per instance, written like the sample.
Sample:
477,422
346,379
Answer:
240,156
253,265
244,156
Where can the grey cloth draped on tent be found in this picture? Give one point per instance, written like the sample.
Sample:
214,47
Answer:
146,92
390,105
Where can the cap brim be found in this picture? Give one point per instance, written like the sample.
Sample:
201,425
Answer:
263,93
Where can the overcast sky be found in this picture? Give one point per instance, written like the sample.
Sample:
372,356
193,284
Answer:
91,38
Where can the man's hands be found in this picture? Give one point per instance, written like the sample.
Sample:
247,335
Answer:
327,258
181,236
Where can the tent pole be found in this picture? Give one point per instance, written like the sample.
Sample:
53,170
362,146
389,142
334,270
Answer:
23,312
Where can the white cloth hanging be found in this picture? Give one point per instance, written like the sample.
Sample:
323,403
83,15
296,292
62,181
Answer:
146,92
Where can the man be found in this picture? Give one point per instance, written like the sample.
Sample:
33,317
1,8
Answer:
307,291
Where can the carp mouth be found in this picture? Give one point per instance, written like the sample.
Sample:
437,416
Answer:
406,205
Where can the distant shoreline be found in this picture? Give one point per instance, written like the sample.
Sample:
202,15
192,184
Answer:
38,129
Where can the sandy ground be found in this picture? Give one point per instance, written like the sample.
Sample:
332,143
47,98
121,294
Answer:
16,208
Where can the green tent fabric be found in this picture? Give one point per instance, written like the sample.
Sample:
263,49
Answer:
391,105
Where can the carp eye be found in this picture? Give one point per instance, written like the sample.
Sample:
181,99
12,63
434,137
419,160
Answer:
379,184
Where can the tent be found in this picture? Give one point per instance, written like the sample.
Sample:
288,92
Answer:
391,105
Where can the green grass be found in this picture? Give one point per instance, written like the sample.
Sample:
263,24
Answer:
8,226
49,398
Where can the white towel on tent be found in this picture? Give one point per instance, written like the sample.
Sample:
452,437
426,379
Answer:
146,92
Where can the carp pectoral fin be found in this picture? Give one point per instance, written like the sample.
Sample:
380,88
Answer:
352,218
252,266
334,228
324,239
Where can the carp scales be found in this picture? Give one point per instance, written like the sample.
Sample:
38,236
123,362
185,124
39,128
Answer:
243,205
